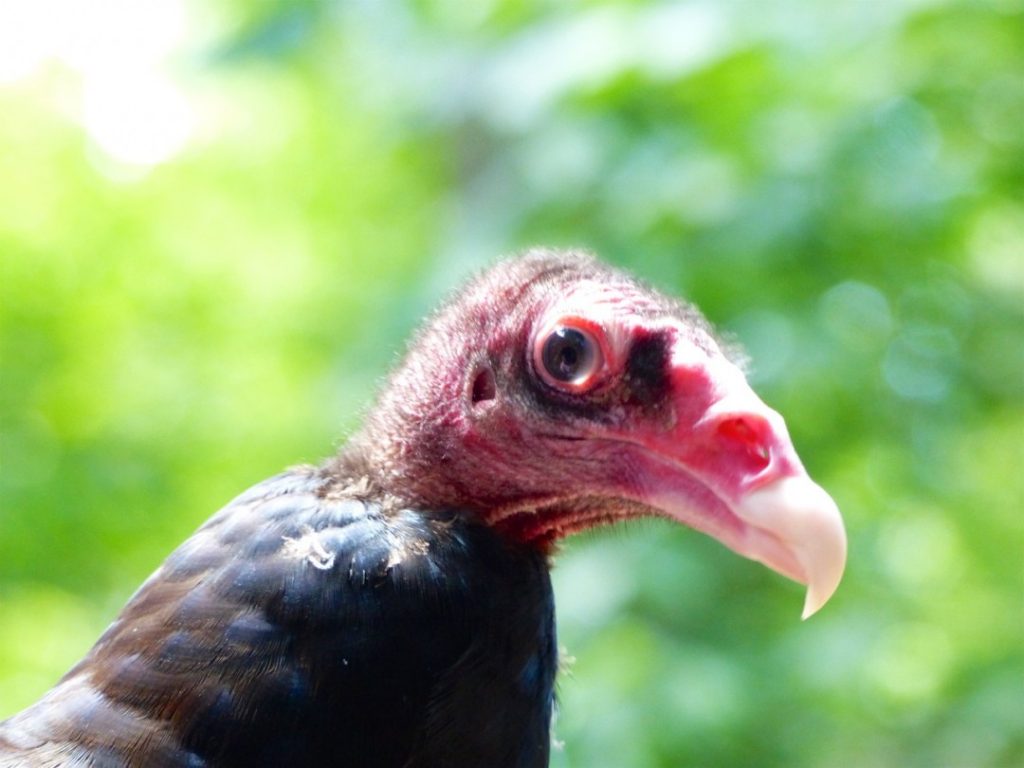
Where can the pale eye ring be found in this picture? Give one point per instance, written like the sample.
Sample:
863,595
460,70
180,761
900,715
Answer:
568,357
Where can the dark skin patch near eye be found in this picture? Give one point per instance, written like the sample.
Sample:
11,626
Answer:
644,382
646,376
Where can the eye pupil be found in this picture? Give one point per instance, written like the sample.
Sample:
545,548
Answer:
567,354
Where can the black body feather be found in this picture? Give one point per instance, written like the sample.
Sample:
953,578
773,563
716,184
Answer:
303,625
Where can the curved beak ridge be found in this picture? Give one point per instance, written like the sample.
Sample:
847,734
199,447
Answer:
801,535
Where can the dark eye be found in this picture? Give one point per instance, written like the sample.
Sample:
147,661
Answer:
568,357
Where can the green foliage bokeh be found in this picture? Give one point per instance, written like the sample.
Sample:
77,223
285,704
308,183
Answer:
839,186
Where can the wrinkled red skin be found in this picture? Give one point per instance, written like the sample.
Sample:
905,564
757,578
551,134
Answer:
538,461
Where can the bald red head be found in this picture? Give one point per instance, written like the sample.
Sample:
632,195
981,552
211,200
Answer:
554,393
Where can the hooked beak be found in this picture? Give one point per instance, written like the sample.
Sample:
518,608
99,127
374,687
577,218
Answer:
727,467
796,514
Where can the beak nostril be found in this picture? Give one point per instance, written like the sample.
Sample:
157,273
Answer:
748,432
739,429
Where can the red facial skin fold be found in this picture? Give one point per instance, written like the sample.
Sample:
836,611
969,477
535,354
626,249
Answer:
722,462
665,424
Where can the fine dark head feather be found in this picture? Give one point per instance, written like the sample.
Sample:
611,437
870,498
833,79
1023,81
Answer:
665,424
467,371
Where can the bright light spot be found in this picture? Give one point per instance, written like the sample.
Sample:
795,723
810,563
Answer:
857,313
121,51
564,155
913,372
996,247
594,586
43,630
911,661
922,552
139,120
676,37
657,180
704,189
790,138
705,690
541,66
27,32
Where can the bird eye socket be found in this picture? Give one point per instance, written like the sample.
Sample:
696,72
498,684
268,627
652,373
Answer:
568,357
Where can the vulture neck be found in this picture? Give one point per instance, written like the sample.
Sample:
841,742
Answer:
416,451
395,474
401,453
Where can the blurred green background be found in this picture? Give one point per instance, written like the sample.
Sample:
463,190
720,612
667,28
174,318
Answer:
219,220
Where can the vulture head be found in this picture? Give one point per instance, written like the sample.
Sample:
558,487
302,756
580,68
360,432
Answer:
555,393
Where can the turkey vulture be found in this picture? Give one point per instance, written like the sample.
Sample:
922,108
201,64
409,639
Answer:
392,607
